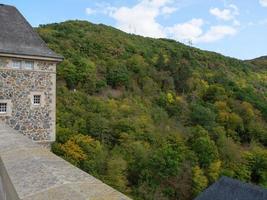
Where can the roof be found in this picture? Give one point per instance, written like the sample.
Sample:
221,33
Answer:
17,37
231,189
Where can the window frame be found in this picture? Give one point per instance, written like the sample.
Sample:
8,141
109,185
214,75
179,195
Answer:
4,109
16,61
39,99
25,63
22,64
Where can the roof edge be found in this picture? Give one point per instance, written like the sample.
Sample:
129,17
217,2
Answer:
35,57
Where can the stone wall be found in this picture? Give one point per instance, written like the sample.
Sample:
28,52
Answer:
17,87
30,172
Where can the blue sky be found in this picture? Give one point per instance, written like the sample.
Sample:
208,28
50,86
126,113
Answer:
236,28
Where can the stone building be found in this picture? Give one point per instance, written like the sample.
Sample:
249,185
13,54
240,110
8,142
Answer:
27,78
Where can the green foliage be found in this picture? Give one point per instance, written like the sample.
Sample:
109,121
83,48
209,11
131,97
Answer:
154,118
257,164
117,75
116,174
202,115
206,151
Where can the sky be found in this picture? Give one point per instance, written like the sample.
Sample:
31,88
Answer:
236,28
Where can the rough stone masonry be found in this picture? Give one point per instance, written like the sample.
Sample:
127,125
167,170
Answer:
18,87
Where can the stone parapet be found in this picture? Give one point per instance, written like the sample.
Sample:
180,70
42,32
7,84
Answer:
30,172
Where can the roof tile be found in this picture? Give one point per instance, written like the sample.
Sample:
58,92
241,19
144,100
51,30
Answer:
18,37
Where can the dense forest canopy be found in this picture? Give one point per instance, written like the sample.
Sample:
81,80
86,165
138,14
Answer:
154,118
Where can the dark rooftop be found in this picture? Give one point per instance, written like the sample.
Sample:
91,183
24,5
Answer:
230,189
18,37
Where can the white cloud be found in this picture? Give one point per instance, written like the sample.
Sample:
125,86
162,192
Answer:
221,14
90,11
194,31
263,3
188,31
216,33
141,18
168,10
225,14
235,9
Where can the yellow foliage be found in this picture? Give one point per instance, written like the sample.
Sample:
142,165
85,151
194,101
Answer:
223,117
73,151
248,110
235,120
198,85
125,108
144,120
200,181
112,104
170,98
221,105
242,83
82,138
214,171
179,99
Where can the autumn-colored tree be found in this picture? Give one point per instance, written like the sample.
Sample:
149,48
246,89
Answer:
214,170
200,181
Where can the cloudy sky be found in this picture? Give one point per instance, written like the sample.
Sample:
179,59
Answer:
236,28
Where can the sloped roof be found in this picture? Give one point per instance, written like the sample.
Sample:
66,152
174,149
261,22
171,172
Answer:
18,37
231,189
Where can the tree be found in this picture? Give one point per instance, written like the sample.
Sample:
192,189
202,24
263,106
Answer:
202,115
73,152
256,160
213,171
116,175
215,93
117,75
68,71
206,151
200,181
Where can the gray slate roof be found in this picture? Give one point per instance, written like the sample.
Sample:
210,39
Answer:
231,189
18,37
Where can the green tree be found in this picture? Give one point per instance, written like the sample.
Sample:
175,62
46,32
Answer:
205,150
202,115
257,163
117,75
116,175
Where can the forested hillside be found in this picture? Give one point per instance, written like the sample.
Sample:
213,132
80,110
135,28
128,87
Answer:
156,119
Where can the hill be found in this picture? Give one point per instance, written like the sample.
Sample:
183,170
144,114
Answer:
154,118
260,63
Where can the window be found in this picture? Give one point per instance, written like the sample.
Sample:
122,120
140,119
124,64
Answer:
3,107
36,99
28,65
16,64
2,63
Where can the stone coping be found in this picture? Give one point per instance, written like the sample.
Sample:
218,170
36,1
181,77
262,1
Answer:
31,172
